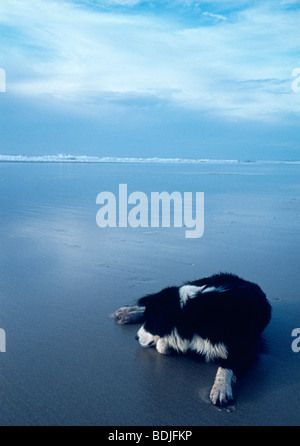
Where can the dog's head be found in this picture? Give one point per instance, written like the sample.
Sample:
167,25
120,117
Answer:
146,338
161,312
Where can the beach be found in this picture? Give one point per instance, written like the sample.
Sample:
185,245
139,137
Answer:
67,363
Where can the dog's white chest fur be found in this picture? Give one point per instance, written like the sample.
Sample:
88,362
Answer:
201,346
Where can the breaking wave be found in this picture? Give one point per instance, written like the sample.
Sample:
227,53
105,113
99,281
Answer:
62,158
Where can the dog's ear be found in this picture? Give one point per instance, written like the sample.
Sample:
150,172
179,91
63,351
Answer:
146,300
161,311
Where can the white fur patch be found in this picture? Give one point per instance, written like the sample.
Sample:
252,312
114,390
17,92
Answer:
202,346
188,292
209,289
206,348
176,342
221,392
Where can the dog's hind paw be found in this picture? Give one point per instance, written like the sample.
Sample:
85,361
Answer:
129,315
221,392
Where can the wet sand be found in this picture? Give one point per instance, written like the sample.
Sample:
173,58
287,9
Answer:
61,276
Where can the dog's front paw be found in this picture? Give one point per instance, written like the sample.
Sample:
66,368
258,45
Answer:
221,392
129,315
163,347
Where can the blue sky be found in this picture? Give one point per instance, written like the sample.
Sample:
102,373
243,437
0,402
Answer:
187,78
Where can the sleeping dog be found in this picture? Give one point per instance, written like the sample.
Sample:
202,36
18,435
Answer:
217,317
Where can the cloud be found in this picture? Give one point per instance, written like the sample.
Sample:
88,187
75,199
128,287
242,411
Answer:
214,16
239,67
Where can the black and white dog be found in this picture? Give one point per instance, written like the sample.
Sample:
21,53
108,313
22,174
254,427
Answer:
218,317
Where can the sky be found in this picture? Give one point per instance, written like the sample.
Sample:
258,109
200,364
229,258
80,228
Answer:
167,78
